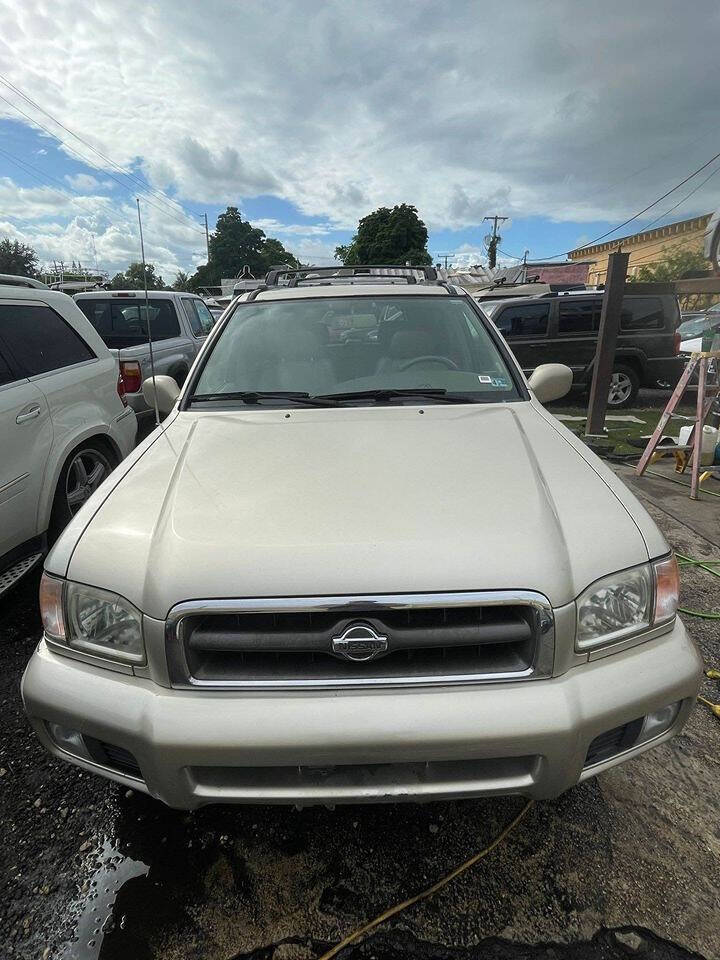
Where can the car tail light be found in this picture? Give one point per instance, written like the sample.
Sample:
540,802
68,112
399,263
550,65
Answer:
676,343
121,390
132,377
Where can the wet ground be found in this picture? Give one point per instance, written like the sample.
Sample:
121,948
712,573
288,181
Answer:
626,864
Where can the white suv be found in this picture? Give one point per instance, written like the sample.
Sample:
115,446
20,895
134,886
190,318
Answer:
64,424
359,561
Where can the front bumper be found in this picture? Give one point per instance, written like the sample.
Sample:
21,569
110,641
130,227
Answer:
527,738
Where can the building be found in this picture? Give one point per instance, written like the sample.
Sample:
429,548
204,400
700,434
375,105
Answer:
646,248
546,271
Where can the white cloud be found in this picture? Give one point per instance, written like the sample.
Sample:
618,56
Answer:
82,181
523,109
277,229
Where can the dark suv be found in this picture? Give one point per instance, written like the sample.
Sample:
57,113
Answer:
563,328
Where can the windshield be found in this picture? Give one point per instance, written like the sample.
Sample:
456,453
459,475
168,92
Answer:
690,329
357,344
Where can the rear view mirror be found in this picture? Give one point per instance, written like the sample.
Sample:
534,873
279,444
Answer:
550,381
165,389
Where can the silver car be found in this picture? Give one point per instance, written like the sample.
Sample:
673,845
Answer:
177,322
357,570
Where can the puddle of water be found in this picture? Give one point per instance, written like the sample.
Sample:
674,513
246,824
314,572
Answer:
95,907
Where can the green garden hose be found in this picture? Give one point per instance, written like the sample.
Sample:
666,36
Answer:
704,565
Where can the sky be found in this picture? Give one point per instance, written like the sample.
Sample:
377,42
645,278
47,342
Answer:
567,117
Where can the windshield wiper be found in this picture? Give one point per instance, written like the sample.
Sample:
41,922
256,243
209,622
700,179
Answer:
380,395
255,396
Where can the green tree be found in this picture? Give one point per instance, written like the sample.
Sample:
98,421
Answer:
274,254
388,236
18,259
181,282
234,244
675,265
132,278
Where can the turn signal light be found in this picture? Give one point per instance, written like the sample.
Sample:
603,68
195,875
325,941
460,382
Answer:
667,588
51,607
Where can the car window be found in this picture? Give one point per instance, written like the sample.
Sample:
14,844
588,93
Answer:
6,374
579,316
523,320
199,317
39,339
641,313
353,344
123,322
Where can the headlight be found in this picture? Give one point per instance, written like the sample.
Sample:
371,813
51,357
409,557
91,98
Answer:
93,620
626,603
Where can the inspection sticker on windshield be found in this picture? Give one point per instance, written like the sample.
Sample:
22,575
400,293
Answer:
484,379
500,382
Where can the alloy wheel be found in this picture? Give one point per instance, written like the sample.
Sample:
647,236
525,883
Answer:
86,472
620,389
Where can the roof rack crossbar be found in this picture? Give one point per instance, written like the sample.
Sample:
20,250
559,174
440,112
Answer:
253,293
291,277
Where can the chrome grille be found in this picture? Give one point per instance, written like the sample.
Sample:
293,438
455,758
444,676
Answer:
431,639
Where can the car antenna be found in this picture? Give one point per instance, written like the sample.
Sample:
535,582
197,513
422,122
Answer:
147,316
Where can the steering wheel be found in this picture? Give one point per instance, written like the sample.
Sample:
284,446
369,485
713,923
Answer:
445,361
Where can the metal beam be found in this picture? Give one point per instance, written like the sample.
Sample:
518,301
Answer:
607,342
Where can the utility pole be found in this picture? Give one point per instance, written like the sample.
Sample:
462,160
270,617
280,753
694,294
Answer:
607,341
207,238
495,239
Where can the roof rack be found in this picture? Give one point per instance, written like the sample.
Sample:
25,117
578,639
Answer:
291,277
7,279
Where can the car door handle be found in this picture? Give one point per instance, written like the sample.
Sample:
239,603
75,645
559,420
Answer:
28,415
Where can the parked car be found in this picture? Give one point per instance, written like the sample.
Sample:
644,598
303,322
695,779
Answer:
359,570
64,422
179,323
564,329
697,326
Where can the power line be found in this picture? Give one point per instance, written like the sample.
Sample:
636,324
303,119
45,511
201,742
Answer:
641,212
38,175
680,202
157,193
87,162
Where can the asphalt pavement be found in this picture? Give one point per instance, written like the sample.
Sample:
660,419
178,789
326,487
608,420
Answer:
625,864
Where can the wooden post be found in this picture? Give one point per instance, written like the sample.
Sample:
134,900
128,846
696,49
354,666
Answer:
607,341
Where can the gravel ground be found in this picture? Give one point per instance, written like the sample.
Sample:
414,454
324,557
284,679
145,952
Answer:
626,864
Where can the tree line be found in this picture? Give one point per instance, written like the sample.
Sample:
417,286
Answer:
234,244
394,235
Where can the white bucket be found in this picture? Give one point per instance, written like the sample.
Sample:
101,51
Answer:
709,442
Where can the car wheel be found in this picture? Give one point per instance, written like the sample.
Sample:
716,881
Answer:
83,472
624,386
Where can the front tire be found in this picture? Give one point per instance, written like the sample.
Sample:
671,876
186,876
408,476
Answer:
624,387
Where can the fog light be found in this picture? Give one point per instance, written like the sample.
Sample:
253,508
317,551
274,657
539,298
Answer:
659,721
69,740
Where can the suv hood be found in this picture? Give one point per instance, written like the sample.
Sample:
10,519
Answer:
358,500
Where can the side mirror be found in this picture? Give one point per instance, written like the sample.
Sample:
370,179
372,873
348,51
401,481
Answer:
550,381
166,390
